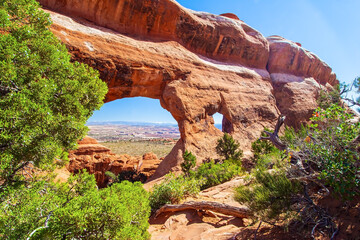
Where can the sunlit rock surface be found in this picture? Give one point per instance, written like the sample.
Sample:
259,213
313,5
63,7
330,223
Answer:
196,64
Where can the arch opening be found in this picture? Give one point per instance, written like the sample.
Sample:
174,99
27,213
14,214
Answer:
134,126
218,119
222,123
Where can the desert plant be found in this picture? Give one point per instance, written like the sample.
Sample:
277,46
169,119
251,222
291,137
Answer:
76,210
129,175
328,98
323,155
269,194
214,174
173,189
189,162
334,149
227,147
45,99
260,148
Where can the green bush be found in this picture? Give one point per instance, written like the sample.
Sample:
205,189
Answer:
274,160
173,189
269,194
228,148
75,210
214,174
334,150
45,99
328,98
260,147
130,175
189,162
295,139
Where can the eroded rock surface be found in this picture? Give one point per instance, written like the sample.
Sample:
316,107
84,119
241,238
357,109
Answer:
196,64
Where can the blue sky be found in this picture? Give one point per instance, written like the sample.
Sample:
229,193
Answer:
328,28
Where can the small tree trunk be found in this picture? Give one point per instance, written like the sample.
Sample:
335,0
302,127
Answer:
274,137
240,212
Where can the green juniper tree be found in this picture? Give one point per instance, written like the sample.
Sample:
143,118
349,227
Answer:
189,162
45,100
227,147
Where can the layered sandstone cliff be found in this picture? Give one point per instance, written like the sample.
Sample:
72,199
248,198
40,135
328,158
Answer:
196,64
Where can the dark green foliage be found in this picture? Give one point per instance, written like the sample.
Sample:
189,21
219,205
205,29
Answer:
214,174
295,138
260,147
45,99
227,147
328,98
334,149
269,194
132,176
189,162
173,189
75,210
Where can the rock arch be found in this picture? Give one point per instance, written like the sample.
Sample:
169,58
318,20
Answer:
196,64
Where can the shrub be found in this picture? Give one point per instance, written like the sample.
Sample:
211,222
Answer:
189,162
274,160
294,139
76,210
260,147
228,148
268,195
173,189
327,148
328,98
45,99
214,174
334,149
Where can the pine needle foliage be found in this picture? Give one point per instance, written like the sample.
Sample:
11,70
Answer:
173,189
269,194
228,148
189,162
75,210
45,99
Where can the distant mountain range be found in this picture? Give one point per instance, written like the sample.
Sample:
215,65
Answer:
129,123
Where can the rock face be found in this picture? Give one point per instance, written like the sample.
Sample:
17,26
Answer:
297,75
98,159
196,64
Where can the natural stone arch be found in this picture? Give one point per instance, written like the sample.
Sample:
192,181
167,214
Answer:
196,64
189,86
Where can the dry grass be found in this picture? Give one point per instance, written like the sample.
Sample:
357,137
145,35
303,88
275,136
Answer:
139,148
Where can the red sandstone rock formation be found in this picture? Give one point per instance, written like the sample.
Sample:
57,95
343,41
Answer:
230,15
196,64
297,75
98,159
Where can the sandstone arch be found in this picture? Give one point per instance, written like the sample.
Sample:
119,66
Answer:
196,64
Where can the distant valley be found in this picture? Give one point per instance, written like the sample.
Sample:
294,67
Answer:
123,130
